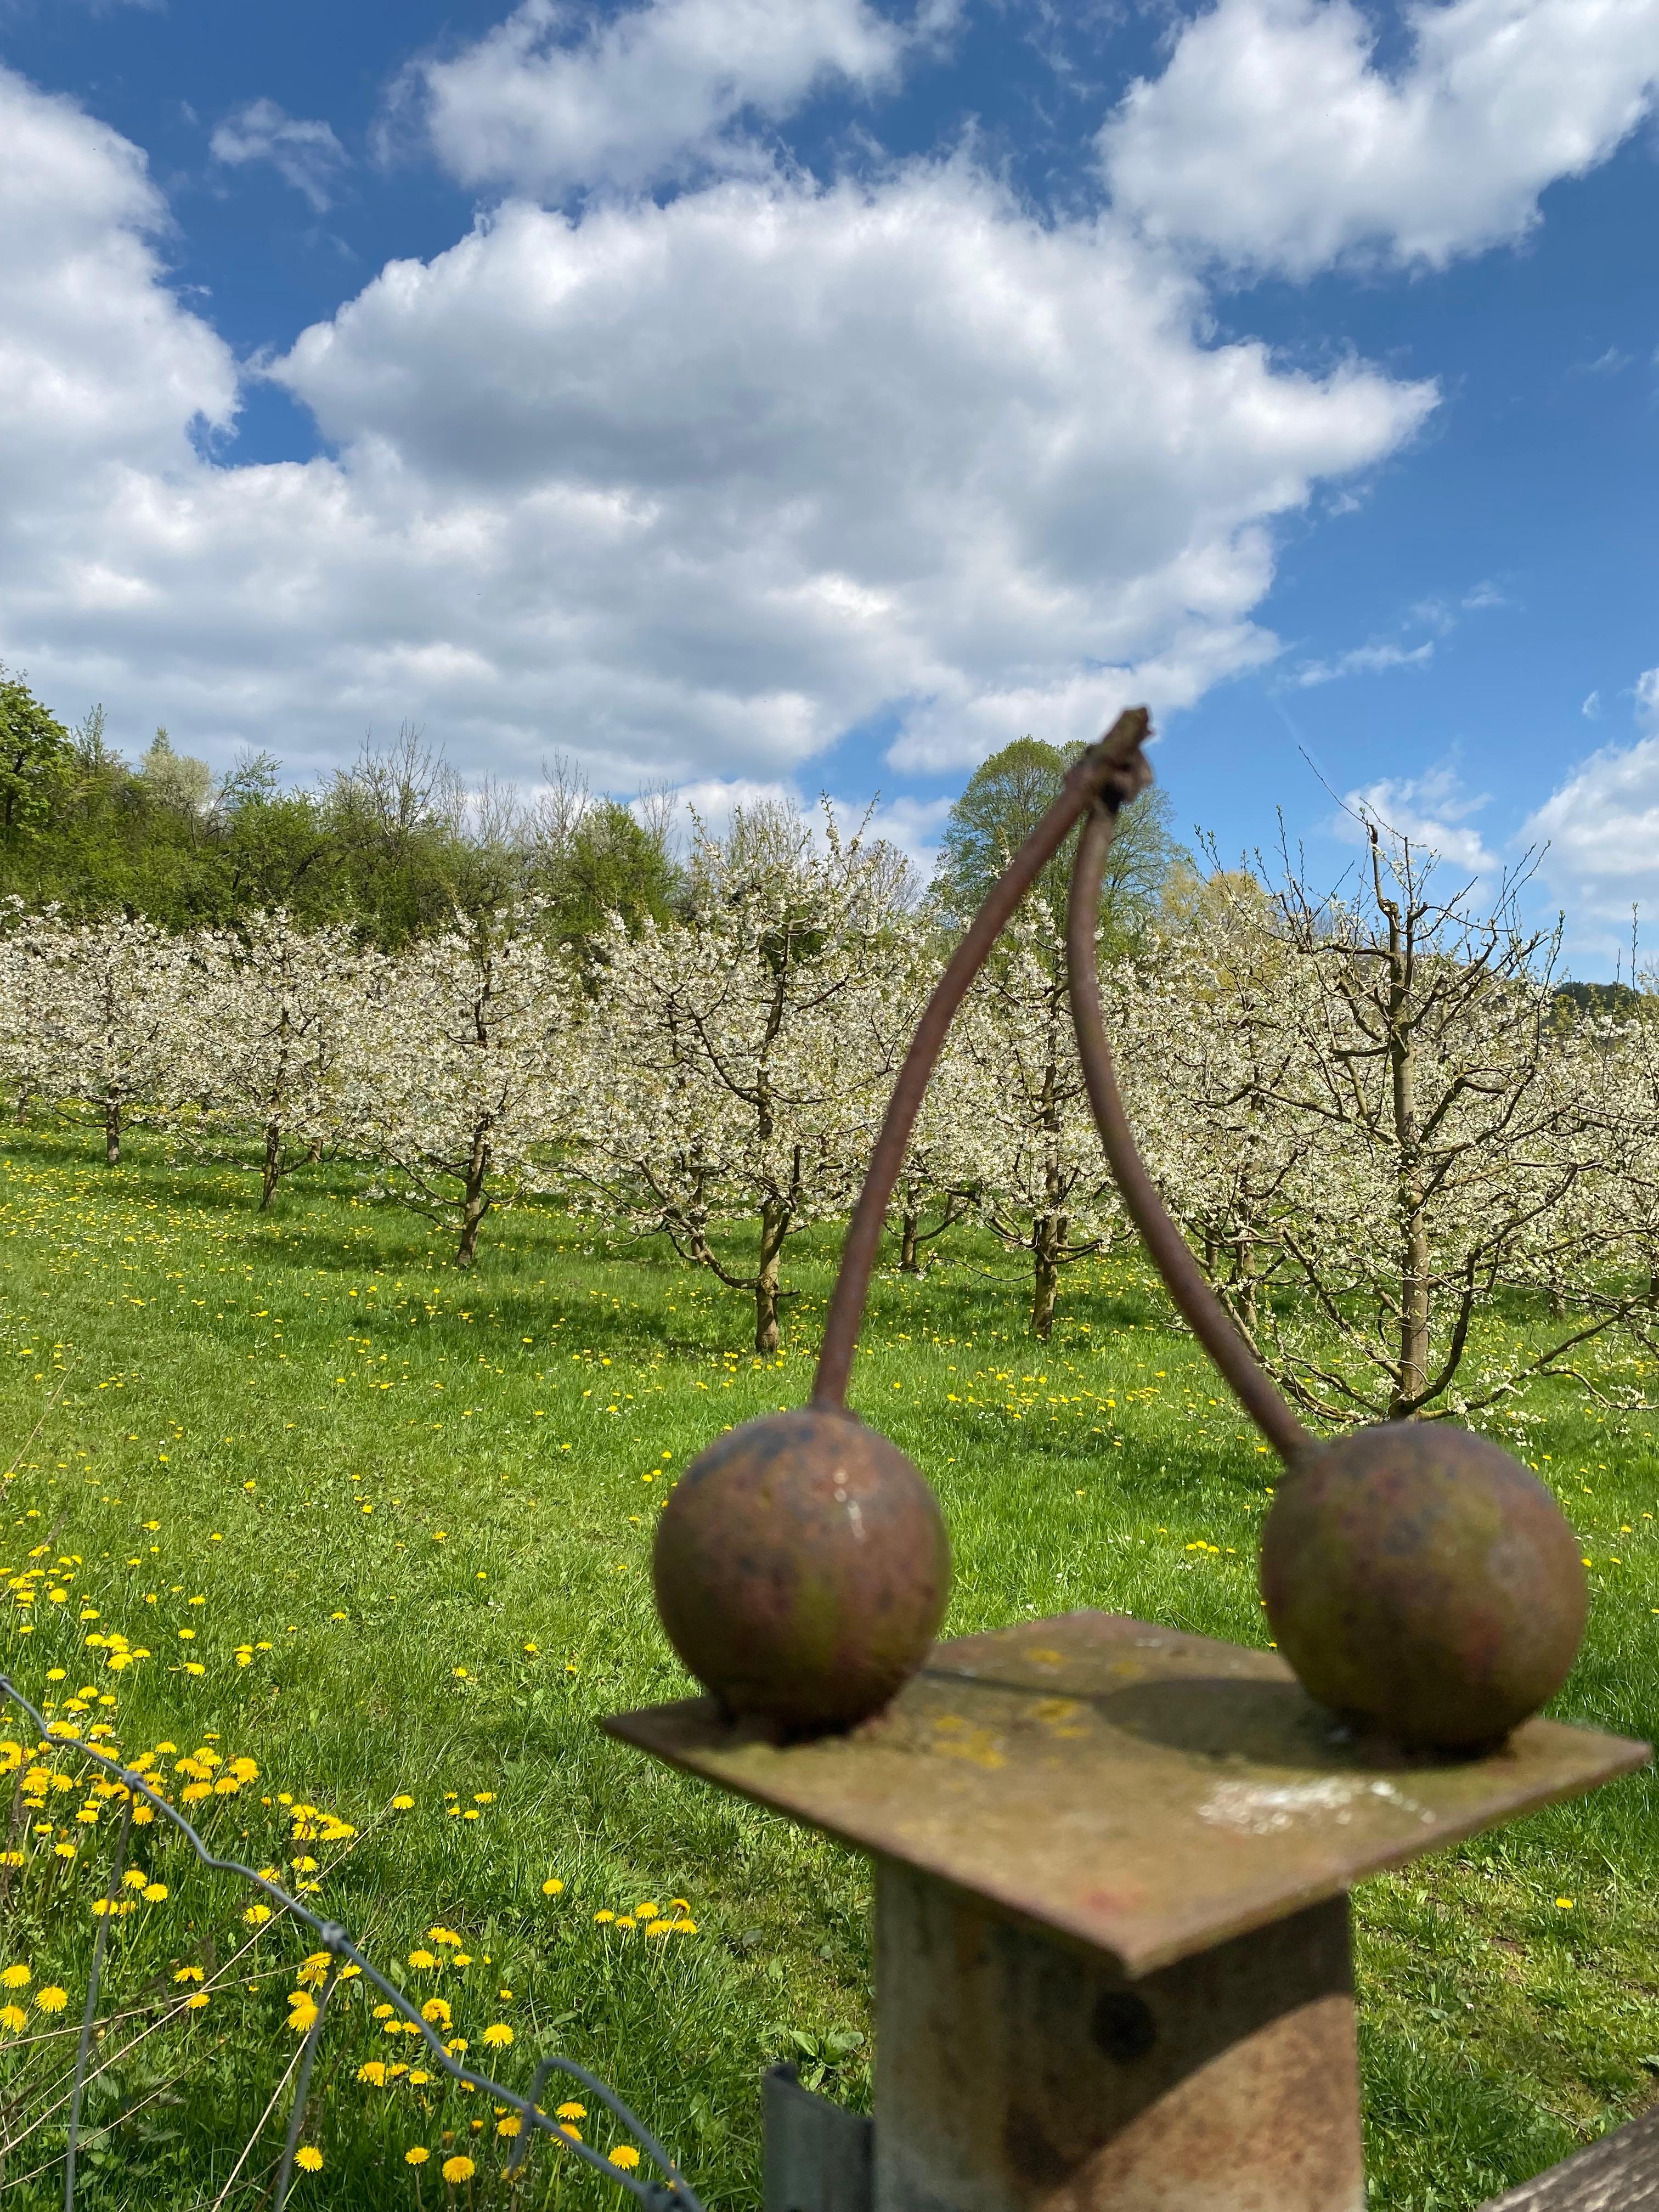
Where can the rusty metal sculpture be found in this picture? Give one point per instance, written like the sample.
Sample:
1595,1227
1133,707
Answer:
1418,1580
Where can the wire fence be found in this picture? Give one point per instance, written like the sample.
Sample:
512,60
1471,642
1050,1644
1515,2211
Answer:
667,2191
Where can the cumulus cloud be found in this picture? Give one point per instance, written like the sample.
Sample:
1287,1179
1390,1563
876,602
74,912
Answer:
1601,828
106,378
1431,811
1273,140
933,460
305,155
552,100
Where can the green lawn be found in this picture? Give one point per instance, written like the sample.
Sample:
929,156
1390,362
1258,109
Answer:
420,1505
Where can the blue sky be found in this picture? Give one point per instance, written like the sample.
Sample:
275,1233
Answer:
814,393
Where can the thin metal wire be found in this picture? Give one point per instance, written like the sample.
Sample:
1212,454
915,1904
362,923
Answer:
302,2086
673,2190
83,2045
1204,1312
1113,764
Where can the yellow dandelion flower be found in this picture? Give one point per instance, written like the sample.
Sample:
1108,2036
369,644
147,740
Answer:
416,2155
154,1893
403,1802
458,2168
552,1886
304,2012
308,2158
509,2126
373,2072
198,2002
572,2112
625,2155
498,2032
16,1977
422,1958
256,1915
574,2134
13,2018
51,1999
188,1974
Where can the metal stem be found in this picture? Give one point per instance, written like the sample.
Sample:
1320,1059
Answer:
1115,764
1205,1314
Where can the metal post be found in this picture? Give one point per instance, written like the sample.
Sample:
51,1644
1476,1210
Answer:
1112,1868
1013,2071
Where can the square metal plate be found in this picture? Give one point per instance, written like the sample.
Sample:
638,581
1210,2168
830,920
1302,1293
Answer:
1143,1792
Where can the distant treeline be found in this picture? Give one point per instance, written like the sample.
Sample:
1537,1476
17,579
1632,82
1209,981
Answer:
393,844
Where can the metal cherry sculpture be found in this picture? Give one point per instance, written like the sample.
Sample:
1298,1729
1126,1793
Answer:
1416,1577
802,1566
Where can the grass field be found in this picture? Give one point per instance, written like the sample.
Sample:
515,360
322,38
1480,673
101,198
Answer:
384,1530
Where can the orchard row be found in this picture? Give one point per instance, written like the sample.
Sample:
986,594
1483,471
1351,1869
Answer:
1375,1119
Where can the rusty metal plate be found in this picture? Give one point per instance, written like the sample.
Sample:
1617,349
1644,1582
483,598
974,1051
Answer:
1141,1791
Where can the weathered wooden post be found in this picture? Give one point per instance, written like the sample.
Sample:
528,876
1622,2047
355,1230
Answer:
1112,1861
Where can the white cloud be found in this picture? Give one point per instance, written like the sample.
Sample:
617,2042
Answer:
106,377
1273,139
551,99
1602,830
1362,660
1591,709
1432,811
931,458
305,155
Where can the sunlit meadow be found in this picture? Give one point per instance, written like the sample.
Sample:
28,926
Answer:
353,1550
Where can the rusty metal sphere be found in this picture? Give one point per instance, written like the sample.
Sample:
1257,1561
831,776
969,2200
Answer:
802,1568
1420,1580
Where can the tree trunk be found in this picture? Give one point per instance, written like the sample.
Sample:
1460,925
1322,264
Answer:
1046,1245
270,1173
475,1203
111,1132
1412,1376
25,1093
1246,1292
911,1221
774,1221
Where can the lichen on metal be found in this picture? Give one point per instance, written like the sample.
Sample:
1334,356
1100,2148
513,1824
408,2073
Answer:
1133,1789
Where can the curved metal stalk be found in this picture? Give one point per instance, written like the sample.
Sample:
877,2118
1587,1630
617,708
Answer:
1202,1309
1113,767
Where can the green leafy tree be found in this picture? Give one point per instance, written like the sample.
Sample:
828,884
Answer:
1005,798
610,864
37,762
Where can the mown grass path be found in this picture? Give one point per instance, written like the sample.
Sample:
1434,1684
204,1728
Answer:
385,1530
